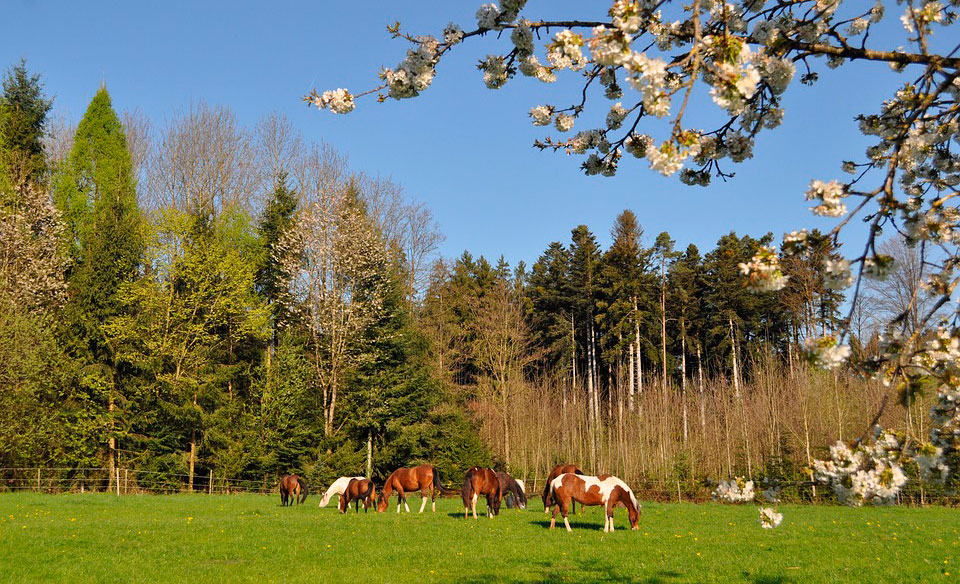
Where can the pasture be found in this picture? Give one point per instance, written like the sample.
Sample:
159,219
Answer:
251,538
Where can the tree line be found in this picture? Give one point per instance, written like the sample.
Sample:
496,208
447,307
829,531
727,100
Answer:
205,298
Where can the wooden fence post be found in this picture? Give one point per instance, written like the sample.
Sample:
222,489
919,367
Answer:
38,479
210,483
126,481
118,481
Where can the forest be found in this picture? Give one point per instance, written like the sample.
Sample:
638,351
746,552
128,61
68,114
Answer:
199,298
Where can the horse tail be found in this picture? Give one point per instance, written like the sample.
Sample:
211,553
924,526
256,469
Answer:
369,490
467,491
303,489
438,487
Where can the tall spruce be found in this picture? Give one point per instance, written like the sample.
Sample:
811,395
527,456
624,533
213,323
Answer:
98,198
23,119
273,277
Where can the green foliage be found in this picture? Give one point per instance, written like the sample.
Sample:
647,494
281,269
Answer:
273,278
23,119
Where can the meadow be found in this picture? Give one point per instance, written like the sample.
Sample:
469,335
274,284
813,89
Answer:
250,538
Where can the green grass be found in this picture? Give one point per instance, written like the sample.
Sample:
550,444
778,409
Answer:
250,538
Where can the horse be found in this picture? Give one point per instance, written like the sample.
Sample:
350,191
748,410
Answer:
511,486
481,481
605,490
557,471
423,478
292,488
337,488
358,490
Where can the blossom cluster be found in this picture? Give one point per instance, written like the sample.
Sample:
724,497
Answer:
825,352
736,490
866,473
763,271
339,101
769,518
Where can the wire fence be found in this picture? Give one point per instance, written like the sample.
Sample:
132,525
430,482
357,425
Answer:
124,481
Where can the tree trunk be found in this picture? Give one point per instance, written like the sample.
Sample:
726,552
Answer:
193,458
663,322
683,377
733,352
631,384
112,441
369,453
703,401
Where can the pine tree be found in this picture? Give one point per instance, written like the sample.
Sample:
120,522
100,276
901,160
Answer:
98,198
23,119
273,277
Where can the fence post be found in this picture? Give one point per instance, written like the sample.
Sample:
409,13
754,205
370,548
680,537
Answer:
210,483
118,481
38,479
126,481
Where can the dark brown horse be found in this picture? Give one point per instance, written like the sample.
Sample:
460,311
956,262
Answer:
606,490
481,481
423,478
358,490
514,488
557,471
292,488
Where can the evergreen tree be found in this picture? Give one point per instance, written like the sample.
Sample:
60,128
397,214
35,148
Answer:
550,311
23,119
98,198
273,277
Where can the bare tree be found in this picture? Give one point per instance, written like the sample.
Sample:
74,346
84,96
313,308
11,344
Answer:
58,139
203,162
279,147
137,129
900,295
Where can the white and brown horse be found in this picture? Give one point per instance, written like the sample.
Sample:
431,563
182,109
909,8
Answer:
358,490
481,481
423,478
292,488
510,486
338,487
557,471
604,490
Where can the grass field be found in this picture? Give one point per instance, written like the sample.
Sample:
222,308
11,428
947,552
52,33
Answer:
250,538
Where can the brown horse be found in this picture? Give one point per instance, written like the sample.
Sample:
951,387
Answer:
604,490
557,471
292,488
511,486
423,478
358,490
481,481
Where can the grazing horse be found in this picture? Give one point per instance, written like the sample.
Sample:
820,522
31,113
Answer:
292,488
337,488
557,471
511,486
604,490
423,478
358,490
481,481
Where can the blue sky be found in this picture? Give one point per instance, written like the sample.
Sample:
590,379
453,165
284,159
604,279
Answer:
460,148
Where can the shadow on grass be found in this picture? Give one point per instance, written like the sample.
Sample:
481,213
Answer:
583,572
588,525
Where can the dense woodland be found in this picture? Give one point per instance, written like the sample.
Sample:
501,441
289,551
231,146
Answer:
202,298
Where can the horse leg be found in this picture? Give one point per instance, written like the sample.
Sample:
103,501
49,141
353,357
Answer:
405,506
433,500
423,500
553,519
565,509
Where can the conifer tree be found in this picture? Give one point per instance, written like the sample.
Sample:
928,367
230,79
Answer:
23,119
273,277
98,199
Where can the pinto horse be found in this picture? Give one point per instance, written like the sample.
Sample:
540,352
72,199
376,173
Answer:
481,481
337,488
292,488
423,478
557,471
358,490
513,487
604,490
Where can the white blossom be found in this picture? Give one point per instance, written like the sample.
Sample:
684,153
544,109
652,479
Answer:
769,518
542,115
487,16
339,101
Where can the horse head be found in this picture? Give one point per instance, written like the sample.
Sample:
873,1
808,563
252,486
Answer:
382,501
